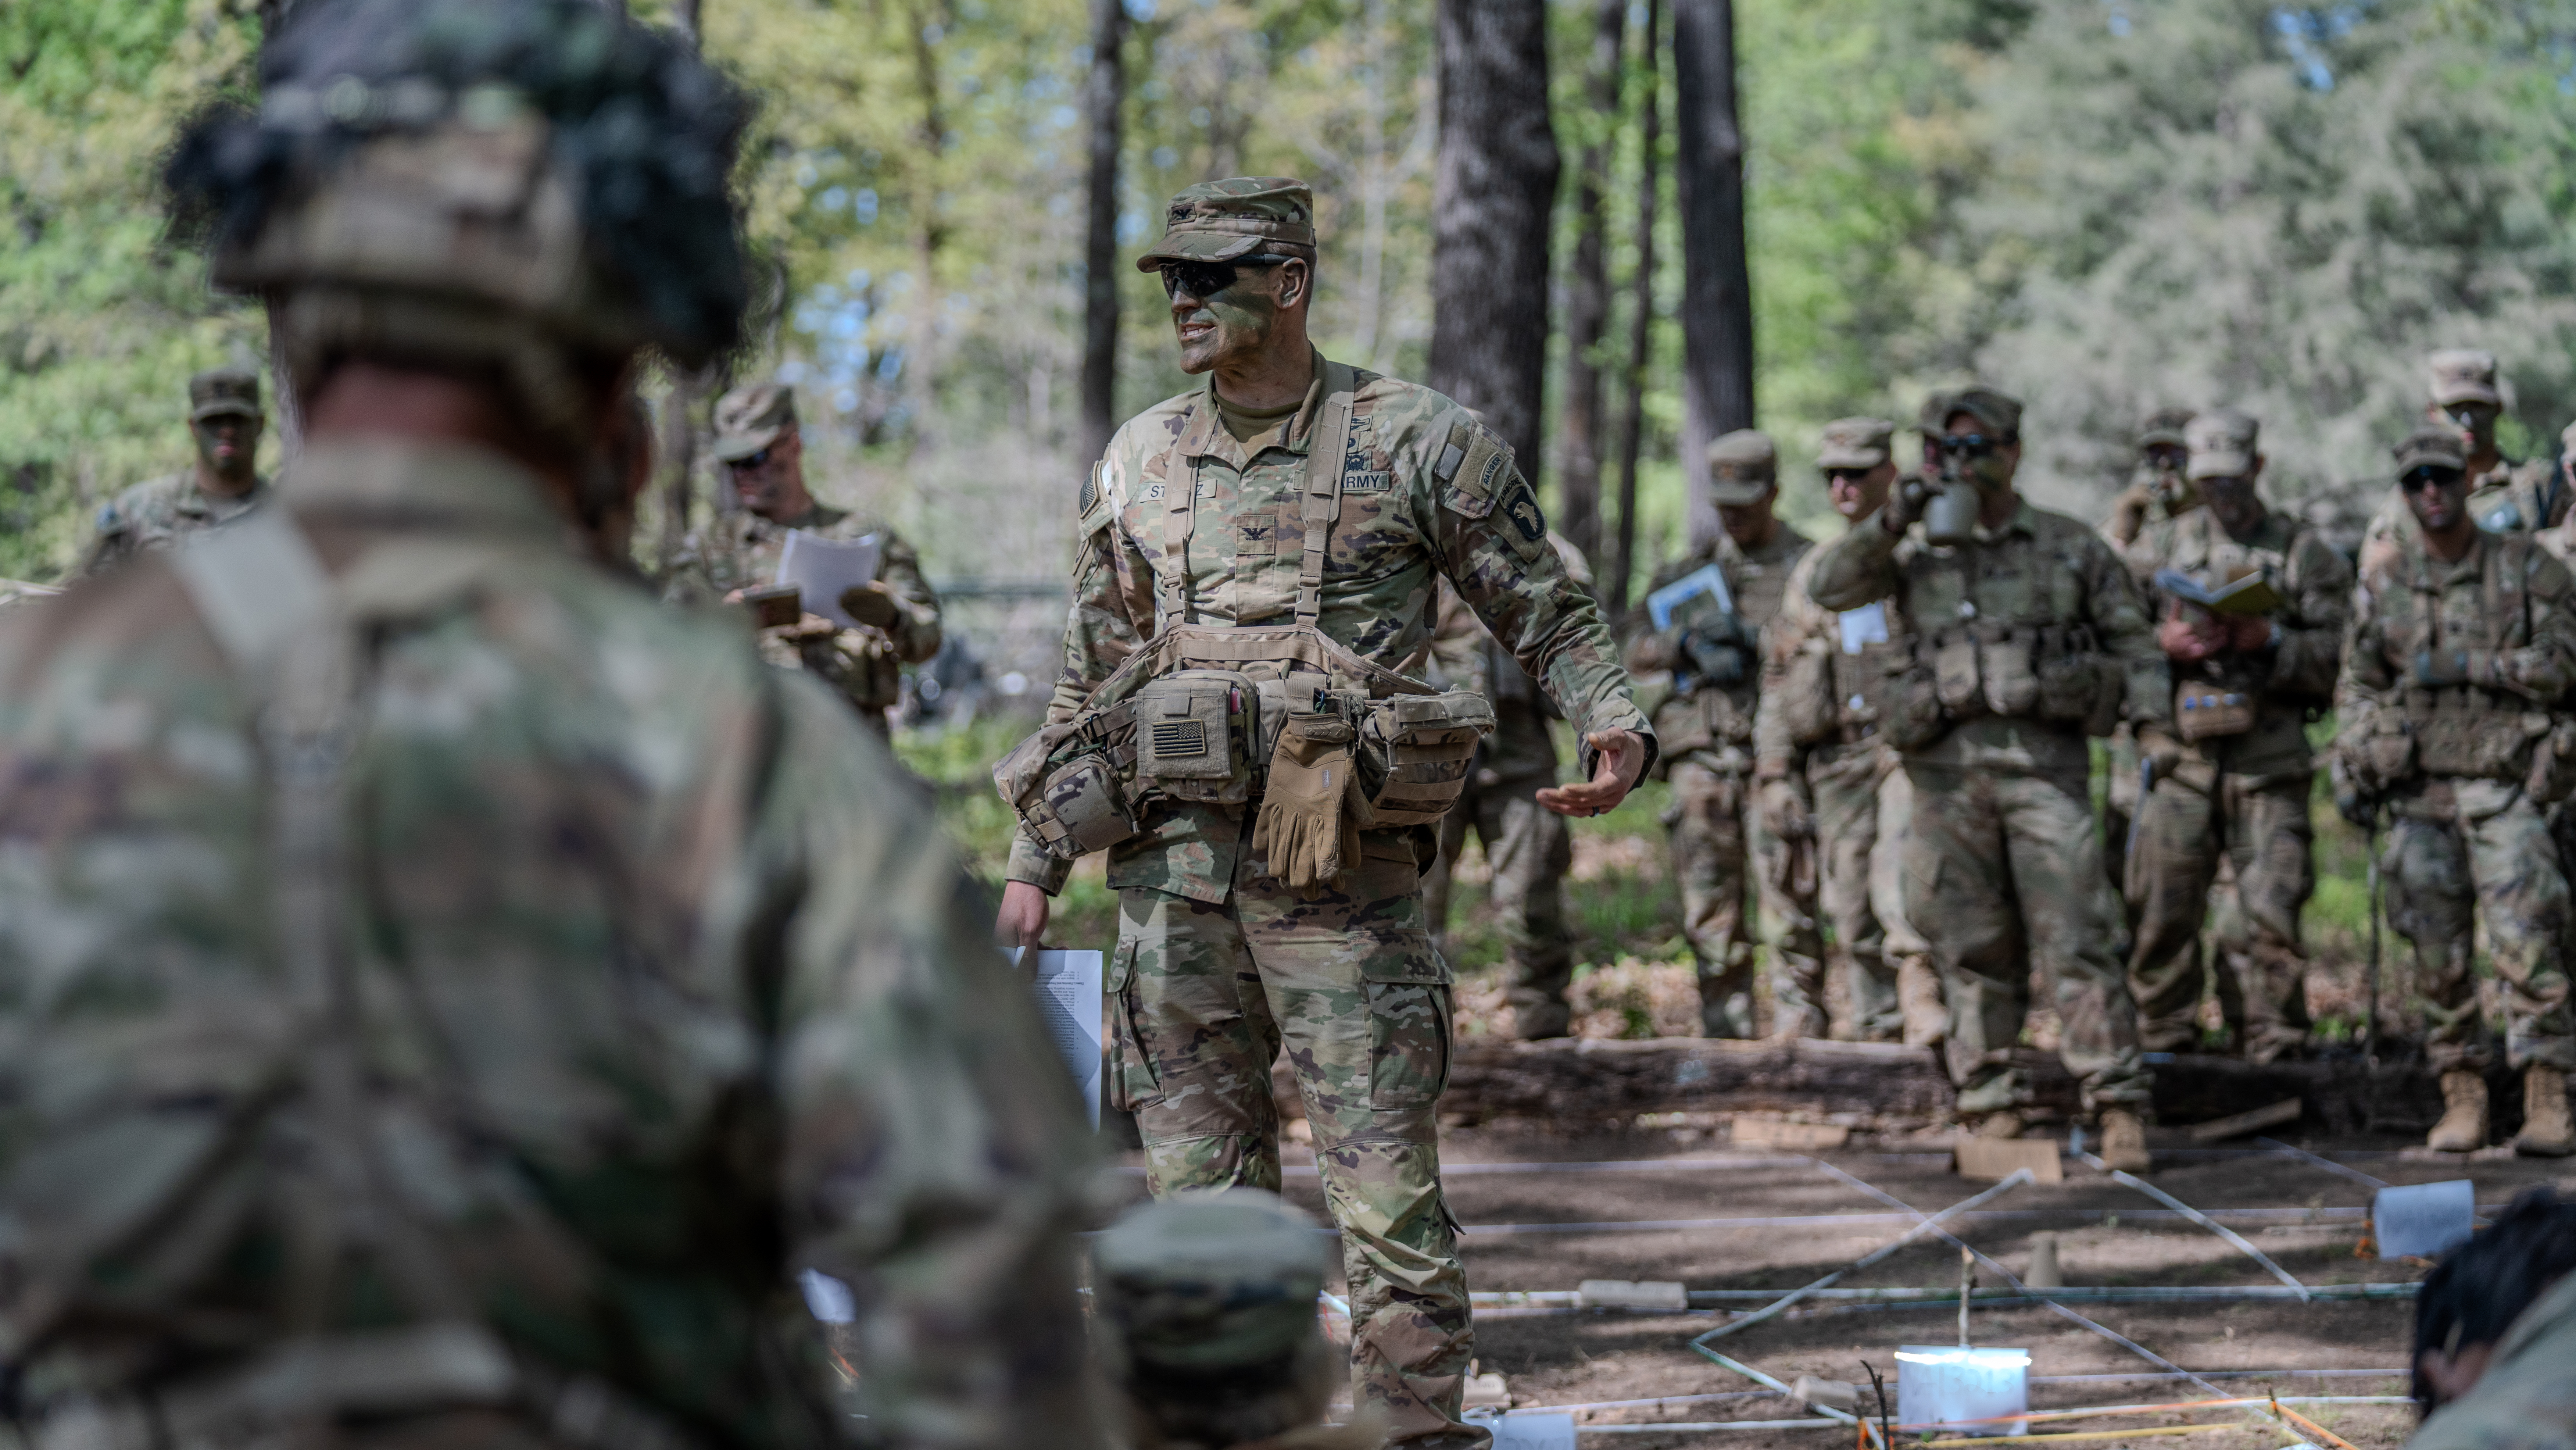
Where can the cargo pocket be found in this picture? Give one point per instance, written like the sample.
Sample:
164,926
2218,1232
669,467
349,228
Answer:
1132,1083
1409,1024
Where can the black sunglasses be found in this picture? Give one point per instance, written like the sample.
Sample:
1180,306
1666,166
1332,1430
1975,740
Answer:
748,461
2417,479
1966,445
1206,279
1846,475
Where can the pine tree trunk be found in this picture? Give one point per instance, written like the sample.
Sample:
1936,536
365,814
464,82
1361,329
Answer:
1587,297
1491,195
1103,102
1641,317
1717,293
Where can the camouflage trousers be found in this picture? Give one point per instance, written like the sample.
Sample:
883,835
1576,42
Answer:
2002,873
1529,849
2189,824
1863,803
1717,843
1205,995
2457,849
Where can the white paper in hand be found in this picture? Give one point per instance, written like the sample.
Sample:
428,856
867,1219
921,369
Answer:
1068,990
821,569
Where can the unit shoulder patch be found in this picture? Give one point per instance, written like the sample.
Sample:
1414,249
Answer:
1483,469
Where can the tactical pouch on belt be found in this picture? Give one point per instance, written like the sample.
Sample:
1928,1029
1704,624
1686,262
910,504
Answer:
2553,766
2079,685
2009,684
2477,744
1914,717
1807,703
2206,712
1064,785
1414,754
1954,673
1194,736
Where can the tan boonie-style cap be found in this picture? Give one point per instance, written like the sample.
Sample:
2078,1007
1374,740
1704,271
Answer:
1742,466
1855,443
1998,413
2430,447
2222,444
2463,375
2165,428
218,392
1221,221
749,419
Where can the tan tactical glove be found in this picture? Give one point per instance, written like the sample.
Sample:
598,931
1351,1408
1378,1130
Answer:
1305,832
870,604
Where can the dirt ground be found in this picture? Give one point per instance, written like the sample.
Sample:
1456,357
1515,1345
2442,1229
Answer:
2108,1235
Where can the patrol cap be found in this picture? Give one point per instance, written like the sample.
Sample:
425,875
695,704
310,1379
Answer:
749,419
224,392
1855,443
2463,375
1934,415
1221,221
1997,412
2429,447
2222,444
1204,1282
1742,466
2165,427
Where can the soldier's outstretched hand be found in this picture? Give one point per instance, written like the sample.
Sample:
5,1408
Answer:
1621,757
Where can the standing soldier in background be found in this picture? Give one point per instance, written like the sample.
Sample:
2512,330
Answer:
2159,488
463,993
1703,626
895,618
1822,767
2506,496
2451,713
2028,636
2232,780
1527,846
224,422
1258,556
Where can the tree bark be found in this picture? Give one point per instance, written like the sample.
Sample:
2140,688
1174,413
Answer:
1103,100
680,405
1492,192
1717,292
1587,296
1641,318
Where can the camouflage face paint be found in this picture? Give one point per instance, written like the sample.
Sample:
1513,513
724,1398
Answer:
1235,323
227,443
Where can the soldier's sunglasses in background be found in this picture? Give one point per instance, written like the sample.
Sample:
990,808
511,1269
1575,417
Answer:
1846,475
2417,479
748,462
1204,280
1967,445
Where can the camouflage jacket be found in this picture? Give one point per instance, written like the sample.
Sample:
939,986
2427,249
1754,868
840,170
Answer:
1411,516
2287,678
157,513
2491,634
2040,569
1710,719
1822,670
2509,498
740,550
661,988
2526,1400
1465,656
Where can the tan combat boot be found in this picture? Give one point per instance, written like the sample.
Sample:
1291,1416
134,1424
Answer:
2546,1131
2124,1141
2463,1128
1918,996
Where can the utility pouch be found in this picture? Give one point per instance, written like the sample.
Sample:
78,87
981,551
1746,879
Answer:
2388,751
2476,744
1414,754
2010,686
1807,701
1194,733
1066,791
2553,766
1954,673
1914,718
2205,712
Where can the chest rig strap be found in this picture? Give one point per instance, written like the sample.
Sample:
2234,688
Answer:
1320,504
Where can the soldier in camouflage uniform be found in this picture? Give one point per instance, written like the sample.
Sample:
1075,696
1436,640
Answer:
2027,636
2232,780
2451,714
449,996
1823,770
2506,495
2159,489
1201,514
1527,847
224,422
1207,1330
1705,725
893,621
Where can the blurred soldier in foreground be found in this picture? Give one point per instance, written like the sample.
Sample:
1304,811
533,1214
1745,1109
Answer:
224,421
1527,846
2251,607
2450,712
1257,557
893,620
1205,1326
2495,1333
1703,625
1823,768
2160,488
2028,636
448,994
